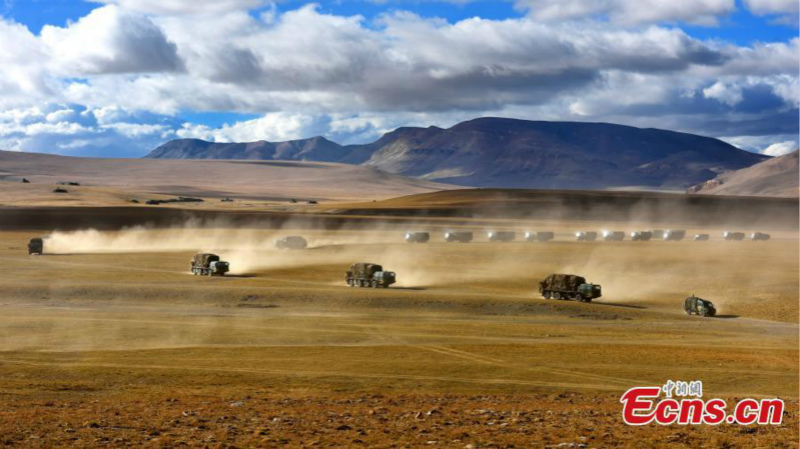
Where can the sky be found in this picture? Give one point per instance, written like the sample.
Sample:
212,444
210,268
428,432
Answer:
117,78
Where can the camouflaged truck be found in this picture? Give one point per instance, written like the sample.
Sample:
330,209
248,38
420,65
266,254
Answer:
733,236
698,306
540,236
569,286
36,246
205,264
586,236
756,236
369,275
641,236
291,242
501,236
458,237
418,237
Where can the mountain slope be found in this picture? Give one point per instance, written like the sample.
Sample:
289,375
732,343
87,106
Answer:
493,152
774,177
500,152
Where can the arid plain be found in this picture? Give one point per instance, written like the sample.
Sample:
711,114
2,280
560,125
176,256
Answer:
108,340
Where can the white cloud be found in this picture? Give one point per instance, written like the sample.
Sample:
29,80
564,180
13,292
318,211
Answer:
110,40
728,94
780,148
186,7
629,12
766,7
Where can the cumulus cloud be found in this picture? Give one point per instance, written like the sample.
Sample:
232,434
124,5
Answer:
110,40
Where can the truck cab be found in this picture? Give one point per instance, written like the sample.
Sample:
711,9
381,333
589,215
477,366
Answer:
699,306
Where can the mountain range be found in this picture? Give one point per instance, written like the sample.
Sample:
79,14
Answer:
502,152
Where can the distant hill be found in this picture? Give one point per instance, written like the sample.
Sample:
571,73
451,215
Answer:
501,152
318,149
774,177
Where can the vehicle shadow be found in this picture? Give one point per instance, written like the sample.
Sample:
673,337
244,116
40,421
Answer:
726,317
625,306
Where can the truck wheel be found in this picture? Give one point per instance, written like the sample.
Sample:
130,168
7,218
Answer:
579,298
688,312
351,283
374,284
556,295
547,295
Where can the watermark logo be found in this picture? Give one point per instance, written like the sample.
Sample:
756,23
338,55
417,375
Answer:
682,403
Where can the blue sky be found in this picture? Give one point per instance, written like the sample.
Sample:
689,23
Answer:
118,77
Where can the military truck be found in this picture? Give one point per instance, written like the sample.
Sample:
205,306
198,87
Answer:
36,246
613,236
418,237
540,236
674,235
734,236
702,238
568,286
291,242
586,236
205,264
760,236
501,236
641,236
460,237
698,306
658,234
369,275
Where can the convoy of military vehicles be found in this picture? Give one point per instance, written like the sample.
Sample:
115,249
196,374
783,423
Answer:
555,286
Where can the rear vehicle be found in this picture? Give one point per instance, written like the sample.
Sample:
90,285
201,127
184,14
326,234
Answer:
702,238
36,246
540,236
418,237
733,236
459,237
698,306
586,236
369,275
205,264
760,236
291,242
641,236
674,235
658,234
613,236
501,236
569,286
